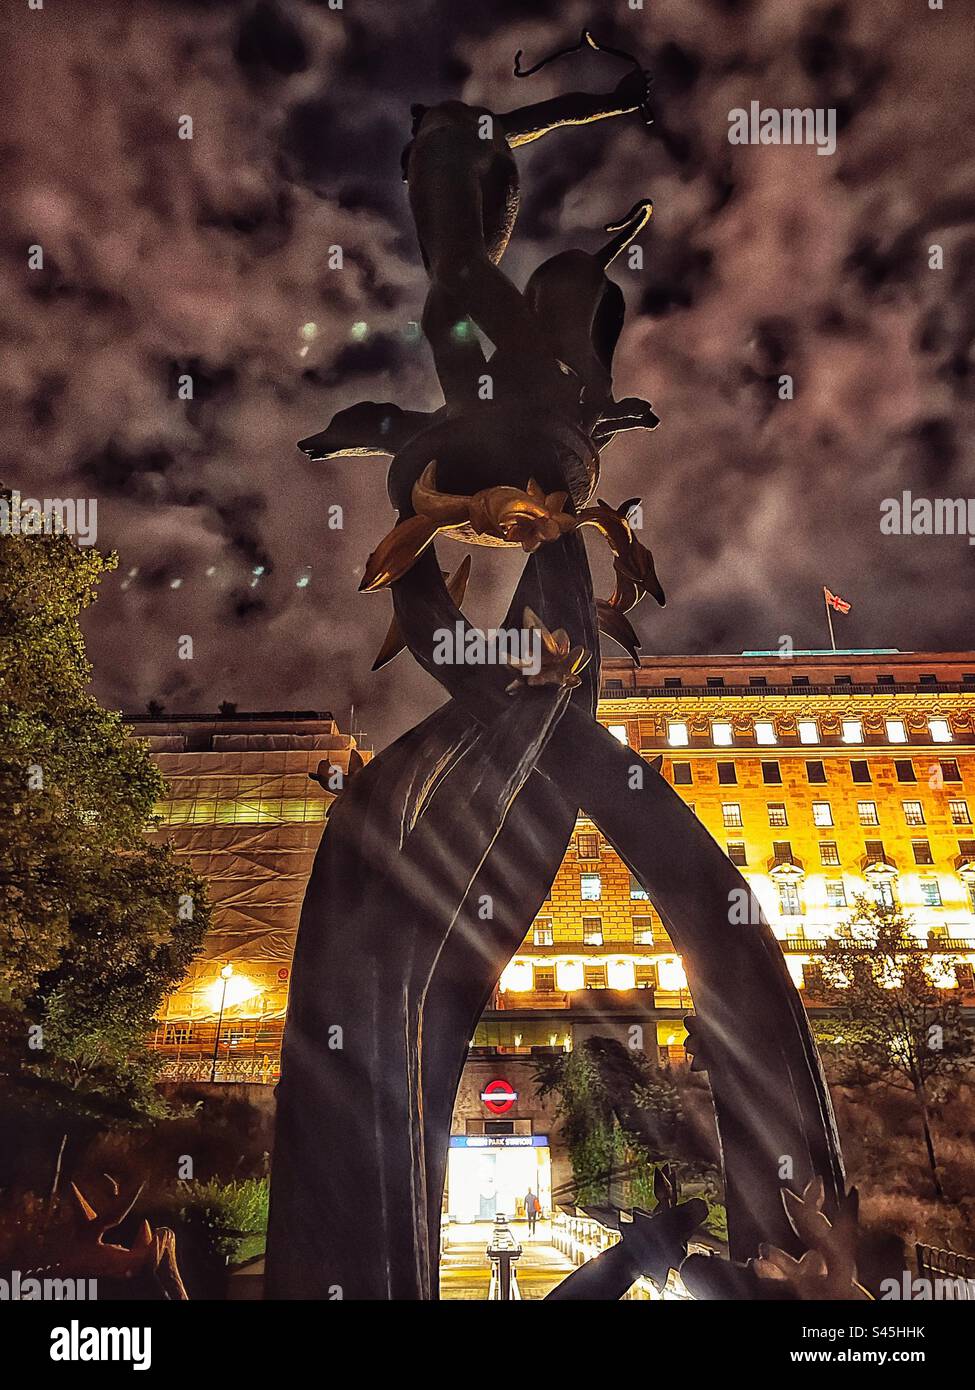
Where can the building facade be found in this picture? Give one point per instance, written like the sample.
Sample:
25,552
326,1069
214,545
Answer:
246,803
823,775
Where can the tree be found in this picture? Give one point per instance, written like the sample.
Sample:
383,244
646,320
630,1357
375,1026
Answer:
96,924
620,1116
900,1022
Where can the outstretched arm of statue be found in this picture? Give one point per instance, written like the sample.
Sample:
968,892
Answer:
528,123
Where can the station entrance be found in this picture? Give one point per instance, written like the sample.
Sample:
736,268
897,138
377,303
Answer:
489,1174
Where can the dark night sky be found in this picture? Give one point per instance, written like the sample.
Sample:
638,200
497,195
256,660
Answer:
208,256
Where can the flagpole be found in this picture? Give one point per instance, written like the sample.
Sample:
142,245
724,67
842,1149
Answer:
829,619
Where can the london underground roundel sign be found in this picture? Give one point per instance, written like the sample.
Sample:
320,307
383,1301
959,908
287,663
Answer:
499,1096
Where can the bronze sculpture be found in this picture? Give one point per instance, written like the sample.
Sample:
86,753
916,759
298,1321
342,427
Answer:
440,852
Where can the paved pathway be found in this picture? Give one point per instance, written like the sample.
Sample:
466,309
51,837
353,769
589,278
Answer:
465,1269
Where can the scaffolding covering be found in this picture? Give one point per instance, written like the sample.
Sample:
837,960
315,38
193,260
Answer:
249,820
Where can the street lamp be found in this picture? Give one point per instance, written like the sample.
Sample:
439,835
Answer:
225,975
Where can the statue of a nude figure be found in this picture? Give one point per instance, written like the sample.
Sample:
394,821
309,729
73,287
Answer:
578,312
463,190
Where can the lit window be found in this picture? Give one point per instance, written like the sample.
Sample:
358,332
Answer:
852,731
587,845
544,936
930,892
835,892
822,813
940,730
764,731
637,890
884,894
867,811
896,731
777,814
249,808
592,931
959,812
789,904
813,981
721,733
677,734
829,853
731,815
913,813
643,931
808,731
619,732
591,888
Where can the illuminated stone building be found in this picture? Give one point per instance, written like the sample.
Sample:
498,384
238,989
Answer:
823,775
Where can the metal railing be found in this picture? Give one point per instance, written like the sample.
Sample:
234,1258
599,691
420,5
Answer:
798,941
952,1275
265,1069
582,1238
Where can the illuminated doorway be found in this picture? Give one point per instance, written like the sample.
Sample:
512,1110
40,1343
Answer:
489,1174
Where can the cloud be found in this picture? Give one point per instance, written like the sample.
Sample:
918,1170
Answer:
210,258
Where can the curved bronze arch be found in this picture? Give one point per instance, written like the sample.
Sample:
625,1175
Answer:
478,802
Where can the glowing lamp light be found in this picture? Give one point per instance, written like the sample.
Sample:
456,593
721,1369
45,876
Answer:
620,974
238,988
671,975
517,977
569,975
